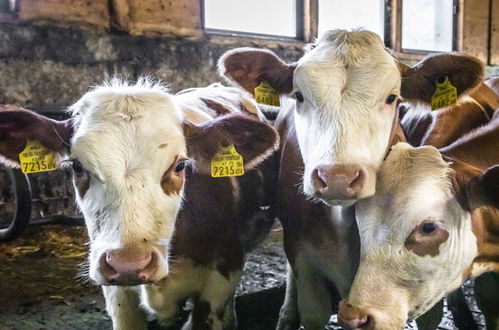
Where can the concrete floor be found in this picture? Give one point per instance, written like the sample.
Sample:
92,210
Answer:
40,288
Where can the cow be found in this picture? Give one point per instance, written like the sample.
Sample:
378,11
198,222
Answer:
162,230
441,127
336,127
431,224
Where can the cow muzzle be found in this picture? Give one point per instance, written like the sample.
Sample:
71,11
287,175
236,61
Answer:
131,267
354,318
339,183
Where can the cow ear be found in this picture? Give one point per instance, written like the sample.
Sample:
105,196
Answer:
483,190
248,67
252,139
18,125
463,71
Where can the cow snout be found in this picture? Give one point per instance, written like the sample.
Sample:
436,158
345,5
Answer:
338,182
122,267
354,318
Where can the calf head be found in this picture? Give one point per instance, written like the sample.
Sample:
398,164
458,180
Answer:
416,235
346,88
129,149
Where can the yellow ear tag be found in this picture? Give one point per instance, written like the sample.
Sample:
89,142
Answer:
267,95
36,158
444,96
227,162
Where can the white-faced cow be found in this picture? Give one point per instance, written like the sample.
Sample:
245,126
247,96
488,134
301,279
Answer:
432,223
162,230
335,134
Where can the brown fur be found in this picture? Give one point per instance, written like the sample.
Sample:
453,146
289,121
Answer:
252,139
18,125
422,244
172,182
248,67
464,72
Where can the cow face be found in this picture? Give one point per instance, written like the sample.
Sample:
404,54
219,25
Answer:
416,240
129,150
346,88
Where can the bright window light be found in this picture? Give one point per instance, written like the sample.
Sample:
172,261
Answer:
270,17
341,14
427,25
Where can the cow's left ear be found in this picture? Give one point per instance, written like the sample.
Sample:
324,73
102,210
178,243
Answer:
252,139
463,71
483,190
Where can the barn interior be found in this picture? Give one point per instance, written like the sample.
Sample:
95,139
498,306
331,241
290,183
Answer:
53,51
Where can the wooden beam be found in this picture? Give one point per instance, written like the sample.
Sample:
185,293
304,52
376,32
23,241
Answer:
494,33
473,21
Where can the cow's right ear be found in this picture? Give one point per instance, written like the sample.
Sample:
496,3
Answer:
18,125
254,140
248,67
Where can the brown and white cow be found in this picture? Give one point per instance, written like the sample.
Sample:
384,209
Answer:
162,230
335,134
432,223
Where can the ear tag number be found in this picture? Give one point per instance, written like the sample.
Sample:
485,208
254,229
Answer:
227,162
445,94
36,158
266,95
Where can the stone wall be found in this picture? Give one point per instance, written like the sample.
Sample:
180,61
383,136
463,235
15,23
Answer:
53,51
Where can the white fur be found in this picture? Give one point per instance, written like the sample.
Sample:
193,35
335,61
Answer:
392,283
345,80
119,130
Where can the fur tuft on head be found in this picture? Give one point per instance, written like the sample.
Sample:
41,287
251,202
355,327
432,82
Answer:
124,99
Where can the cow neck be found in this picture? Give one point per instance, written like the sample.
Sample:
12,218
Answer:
486,113
396,134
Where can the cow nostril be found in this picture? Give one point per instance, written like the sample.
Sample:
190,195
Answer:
320,179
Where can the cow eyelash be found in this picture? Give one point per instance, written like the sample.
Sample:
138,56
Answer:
75,165
298,96
391,98
181,165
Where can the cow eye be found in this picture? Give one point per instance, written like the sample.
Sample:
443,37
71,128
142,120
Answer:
391,98
298,97
77,167
181,165
428,228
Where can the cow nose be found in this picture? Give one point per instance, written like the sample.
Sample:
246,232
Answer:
124,267
352,317
338,182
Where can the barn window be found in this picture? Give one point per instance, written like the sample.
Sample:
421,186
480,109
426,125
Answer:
427,25
7,6
256,17
368,14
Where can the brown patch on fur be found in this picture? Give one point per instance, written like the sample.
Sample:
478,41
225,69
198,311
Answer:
248,67
254,140
172,182
217,107
18,125
82,183
478,149
425,244
464,72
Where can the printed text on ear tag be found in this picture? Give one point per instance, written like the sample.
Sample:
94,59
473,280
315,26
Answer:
227,162
267,95
445,94
36,158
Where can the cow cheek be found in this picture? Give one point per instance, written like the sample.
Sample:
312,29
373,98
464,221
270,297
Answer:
82,183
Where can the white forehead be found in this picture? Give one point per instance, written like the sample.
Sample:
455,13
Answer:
122,128
413,184
354,62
